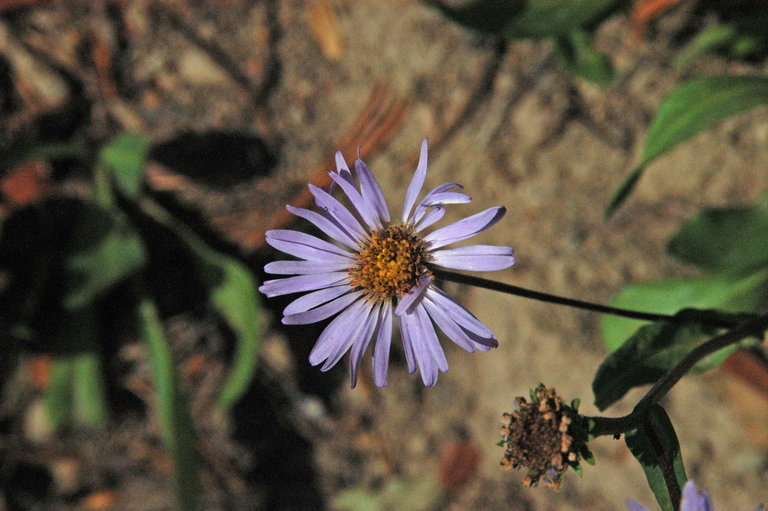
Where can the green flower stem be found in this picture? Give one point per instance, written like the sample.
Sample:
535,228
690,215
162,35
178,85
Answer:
570,302
618,425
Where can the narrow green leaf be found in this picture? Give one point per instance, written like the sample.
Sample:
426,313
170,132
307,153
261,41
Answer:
526,19
707,40
75,394
730,240
172,409
690,109
89,398
105,250
233,291
125,156
655,447
579,57
58,395
236,299
722,292
651,352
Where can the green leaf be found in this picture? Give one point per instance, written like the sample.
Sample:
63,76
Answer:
707,40
579,57
233,291
89,397
688,110
731,240
105,250
173,412
652,351
125,156
75,393
58,395
723,292
527,19
654,445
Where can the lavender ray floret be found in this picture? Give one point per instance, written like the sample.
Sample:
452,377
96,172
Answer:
337,211
429,338
326,224
364,208
304,267
322,312
301,283
361,344
461,315
336,331
449,327
433,215
416,182
475,258
315,298
301,240
413,296
371,190
368,322
465,228
421,353
380,358
695,500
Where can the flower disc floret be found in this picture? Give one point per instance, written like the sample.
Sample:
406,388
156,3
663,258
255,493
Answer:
390,263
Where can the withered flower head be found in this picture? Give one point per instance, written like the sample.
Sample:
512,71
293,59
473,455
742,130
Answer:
544,436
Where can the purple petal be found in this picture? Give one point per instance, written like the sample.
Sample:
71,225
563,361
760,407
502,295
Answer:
451,329
322,312
416,183
338,212
413,295
304,267
427,201
380,358
405,336
475,258
301,283
634,506
365,208
361,344
342,169
327,225
421,353
695,500
338,331
434,214
308,247
462,317
364,326
465,228
447,198
429,337
371,190
308,301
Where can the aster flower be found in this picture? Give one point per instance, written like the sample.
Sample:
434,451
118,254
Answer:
378,272
693,500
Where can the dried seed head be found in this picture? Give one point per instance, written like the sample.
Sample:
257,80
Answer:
544,436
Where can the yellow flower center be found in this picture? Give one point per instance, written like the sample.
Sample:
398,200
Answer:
390,263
